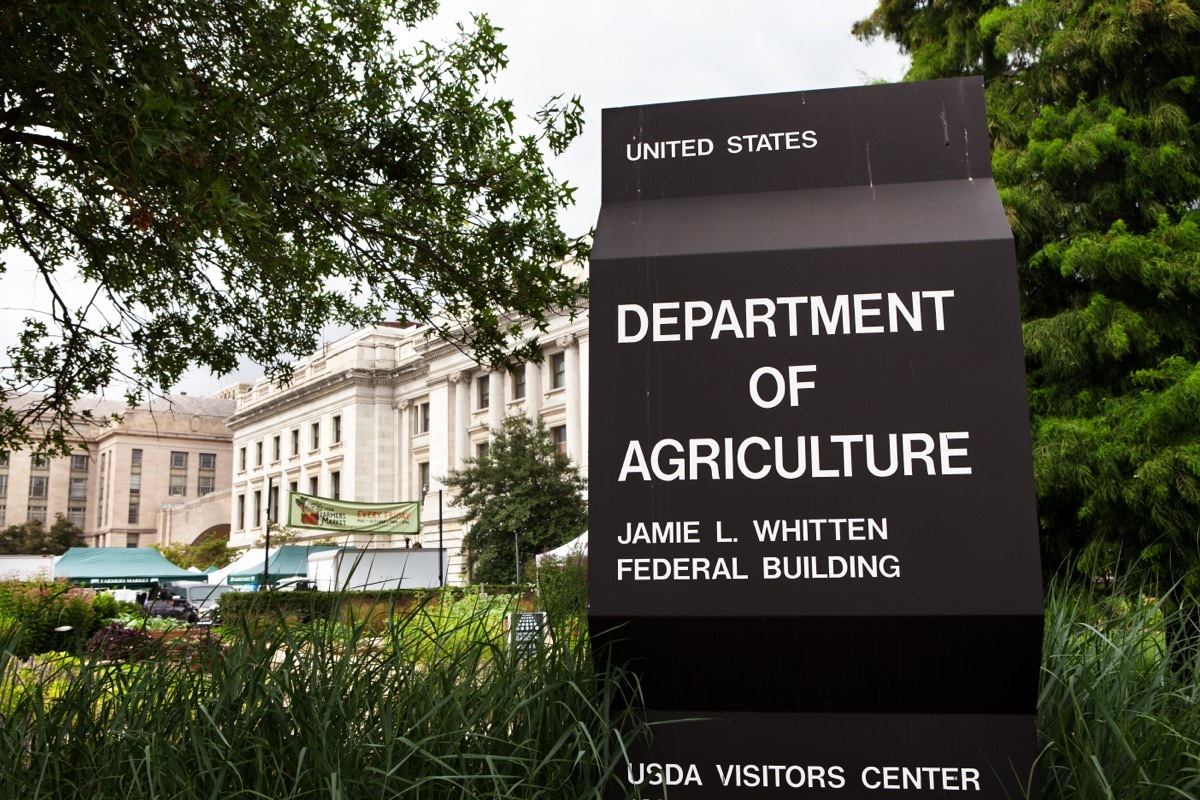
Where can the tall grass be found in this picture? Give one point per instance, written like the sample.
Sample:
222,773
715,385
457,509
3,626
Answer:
434,706
1119,710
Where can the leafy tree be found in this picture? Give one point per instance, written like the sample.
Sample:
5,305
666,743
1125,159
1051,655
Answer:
523,490
211,551
32,538
1094,111
226,177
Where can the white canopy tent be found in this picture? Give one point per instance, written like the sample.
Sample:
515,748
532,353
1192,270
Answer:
253,557
577,546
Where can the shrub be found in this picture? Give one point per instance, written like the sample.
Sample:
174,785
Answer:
39,607
562,585
115,642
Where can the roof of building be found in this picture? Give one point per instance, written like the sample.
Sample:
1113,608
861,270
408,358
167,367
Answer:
174,404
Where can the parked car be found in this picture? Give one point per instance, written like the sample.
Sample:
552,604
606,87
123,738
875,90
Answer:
204,597
163,605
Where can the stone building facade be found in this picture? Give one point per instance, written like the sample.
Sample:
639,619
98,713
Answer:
384,414
122,473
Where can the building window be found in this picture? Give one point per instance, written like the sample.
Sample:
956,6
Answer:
36,513
206,477
79,462
421,420
558,370
314,486
256,509
105,460
518,384
241,459
241,512
559,434
315,436
483,392
3,458
135,513
295,441
78,488
481,451
337,429
273,504
258,454
75,515
178,481
335,485
276,449
294,487
38,486
135,483
3,514
3,485
38,461
135,457
423,476
131,540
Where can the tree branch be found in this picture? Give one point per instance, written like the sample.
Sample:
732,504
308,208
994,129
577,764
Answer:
10,136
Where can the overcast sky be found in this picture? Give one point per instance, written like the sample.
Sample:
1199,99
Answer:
632,52
616,53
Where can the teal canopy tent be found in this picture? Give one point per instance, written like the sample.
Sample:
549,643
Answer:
289,561
117,567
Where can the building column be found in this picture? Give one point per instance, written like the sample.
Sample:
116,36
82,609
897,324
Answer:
461,381
533,390
495,399
403,436
585,396
570,346
441,456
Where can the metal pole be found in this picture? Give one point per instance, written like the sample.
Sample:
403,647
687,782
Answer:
267,542
441,576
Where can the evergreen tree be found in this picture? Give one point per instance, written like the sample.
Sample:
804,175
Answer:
32,538
1094,113
524,490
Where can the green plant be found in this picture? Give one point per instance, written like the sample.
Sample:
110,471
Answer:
142,621
562,585
50,615
1119,710
524,494
431,706
117,642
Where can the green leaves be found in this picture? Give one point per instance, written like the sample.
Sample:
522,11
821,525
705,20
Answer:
523,490
1094,115
230,177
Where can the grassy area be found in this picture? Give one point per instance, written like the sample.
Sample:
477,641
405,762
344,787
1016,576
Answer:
435,705
1119,710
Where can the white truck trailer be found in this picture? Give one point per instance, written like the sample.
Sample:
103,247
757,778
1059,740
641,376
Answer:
27,568
377,569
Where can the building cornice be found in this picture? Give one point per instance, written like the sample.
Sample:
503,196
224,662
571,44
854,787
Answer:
309,392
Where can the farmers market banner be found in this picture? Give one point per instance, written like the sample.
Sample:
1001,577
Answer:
321,513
